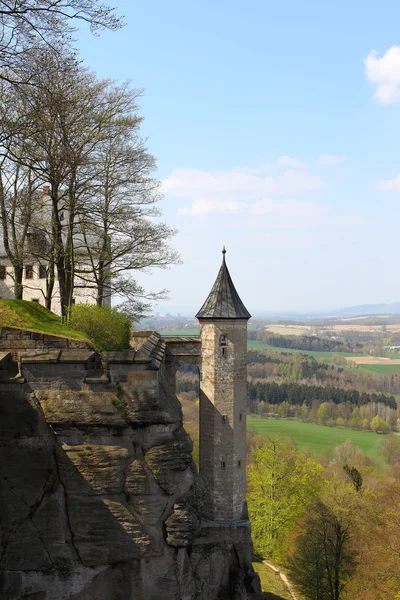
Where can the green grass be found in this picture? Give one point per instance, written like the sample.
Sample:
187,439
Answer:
271,584
187,332
317,437
30,316
257,345
380,369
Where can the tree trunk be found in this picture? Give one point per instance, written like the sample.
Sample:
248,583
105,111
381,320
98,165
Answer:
50,279
18,287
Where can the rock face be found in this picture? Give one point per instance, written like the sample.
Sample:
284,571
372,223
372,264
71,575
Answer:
99,497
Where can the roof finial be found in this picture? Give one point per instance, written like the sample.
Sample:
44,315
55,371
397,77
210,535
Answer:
223,253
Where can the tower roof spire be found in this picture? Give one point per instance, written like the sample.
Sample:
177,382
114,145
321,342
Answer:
223,301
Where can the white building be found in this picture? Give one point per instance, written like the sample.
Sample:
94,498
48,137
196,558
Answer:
34,279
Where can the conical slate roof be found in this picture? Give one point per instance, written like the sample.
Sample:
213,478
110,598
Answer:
223,301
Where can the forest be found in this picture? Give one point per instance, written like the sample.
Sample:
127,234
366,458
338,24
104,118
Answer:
330,521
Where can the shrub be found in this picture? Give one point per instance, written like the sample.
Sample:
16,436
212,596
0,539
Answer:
108,328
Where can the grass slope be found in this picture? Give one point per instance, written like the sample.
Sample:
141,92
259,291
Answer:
30,316
271,584
317,437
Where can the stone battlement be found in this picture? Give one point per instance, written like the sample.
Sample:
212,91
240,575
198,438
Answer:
101,497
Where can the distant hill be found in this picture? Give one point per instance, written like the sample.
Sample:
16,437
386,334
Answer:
331,313
369,309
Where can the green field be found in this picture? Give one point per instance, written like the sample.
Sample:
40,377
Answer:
256,345
380,369
317,437
181,332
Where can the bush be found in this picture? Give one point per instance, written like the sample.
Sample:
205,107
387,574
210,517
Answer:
108,328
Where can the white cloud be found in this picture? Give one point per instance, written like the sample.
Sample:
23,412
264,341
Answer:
238,185
254,199
289,161
328,160
204,207
389,185
269,213
287,208
384,72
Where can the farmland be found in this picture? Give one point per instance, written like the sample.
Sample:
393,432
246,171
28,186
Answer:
257,345
192,332
317,437
379,369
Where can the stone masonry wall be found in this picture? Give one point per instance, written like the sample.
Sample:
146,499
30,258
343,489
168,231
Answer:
223,399
17,341
99,496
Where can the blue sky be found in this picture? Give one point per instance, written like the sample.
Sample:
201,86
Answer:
276,130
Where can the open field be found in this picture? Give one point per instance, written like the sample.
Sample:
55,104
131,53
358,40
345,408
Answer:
373,360
379,369
195,331
290,329
356,327
317,437
375,364
256,345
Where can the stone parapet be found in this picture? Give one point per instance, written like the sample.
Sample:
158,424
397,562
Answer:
18,340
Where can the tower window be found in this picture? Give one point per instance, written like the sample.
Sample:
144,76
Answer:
29,272
239,464
223,465
3,272
42,272
224,418
240,416
223,342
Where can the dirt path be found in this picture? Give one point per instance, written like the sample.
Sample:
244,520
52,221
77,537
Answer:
283,577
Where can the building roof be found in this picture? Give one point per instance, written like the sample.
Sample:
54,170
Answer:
223,301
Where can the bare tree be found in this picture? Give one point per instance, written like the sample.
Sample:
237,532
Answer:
18,204
28,25
81,138
121,231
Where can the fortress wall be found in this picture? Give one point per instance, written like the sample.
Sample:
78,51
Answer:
100,497
18,340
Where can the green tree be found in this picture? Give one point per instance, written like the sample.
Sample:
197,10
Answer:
379,425
108,328
366,424
389,448
324,556
282,482
355,476
323,413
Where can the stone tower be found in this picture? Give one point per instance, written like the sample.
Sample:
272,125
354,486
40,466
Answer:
223,395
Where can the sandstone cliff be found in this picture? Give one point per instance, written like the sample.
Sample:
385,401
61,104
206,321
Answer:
99,496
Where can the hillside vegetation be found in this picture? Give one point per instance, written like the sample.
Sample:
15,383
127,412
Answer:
31,316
